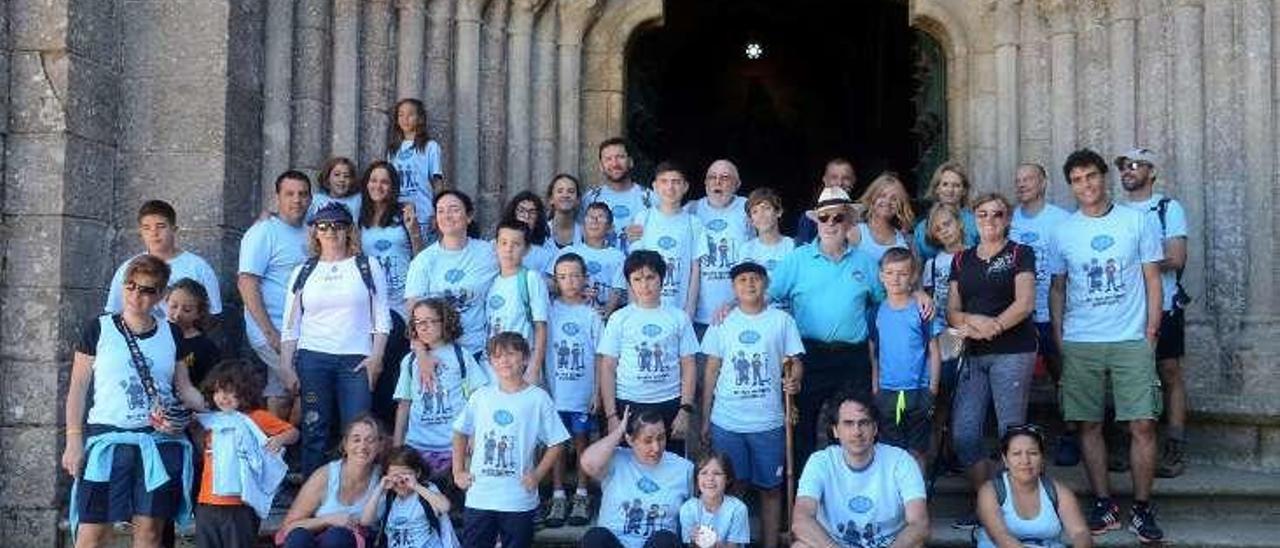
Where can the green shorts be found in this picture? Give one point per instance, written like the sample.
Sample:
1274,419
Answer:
1135,385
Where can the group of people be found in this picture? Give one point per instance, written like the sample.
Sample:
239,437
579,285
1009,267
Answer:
610,331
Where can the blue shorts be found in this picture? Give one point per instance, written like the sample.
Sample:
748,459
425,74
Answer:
578,424
757,457
1048,348
126,495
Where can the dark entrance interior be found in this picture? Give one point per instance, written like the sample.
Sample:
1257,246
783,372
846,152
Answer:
833,78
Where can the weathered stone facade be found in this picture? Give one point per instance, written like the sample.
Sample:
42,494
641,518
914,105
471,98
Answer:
105,103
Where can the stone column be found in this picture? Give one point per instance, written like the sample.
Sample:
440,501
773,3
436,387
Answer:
411,36
311,85
1034,118
1259,147
345,113
62,81
439,91
1124,82
466,97
519,86
1188,132
1007,21
544,97
493,111
376,80
574,16
277,88
1153,83
1062,39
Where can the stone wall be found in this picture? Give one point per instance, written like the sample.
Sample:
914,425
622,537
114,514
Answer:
106,102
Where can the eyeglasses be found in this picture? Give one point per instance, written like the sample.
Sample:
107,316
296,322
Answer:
327,226
1132,165
997,214
522,211
143,289
834,218
427,321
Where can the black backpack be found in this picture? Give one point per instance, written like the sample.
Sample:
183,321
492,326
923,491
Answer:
362,263
1181,298
432,519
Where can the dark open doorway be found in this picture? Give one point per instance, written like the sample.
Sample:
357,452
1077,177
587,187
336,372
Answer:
834,78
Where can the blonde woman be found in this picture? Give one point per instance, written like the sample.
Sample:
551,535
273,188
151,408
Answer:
888,217
949,185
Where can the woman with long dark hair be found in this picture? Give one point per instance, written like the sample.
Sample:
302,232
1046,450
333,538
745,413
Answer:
417,158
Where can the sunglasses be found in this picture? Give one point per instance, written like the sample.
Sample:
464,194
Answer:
327,226
834,218
143,289
998,214
1131,165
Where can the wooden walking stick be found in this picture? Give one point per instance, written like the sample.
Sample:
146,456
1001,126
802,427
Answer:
789,424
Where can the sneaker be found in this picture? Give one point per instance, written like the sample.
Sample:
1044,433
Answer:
1068,453
580,511
968,522
1143,524
1105,516
1171,463
556,513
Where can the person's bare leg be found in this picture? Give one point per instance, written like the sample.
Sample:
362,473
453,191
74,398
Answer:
92,535
1175,394
579,446
1094,448
770,516
1142,457
147,531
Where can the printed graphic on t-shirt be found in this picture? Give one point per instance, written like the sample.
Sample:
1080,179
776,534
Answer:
644,518
459,297
393,266
722,252
136,395
655,363
867,535
571,360
499,446
671,283
1106,288
750,367
598,285
435,405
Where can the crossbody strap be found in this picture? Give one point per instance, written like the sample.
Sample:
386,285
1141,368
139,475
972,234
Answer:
138,359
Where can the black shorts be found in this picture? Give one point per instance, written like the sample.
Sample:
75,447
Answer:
1172,342
125,494
910,431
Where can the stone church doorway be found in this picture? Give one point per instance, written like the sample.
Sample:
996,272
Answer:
781,87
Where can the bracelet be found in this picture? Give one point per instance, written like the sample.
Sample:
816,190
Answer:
76,431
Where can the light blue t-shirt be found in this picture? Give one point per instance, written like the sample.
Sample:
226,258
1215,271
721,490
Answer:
648,344
570,366
867,507
829,299
540,258
680,240
415,169
506,310
1102,258
637,501
725,231
604,271
936,279
391,247
505,430
970,234
1175,226
1034,232
730,521
431,414
321,199
748,391
182,265
122,400
868,244
769,256
624,205
460,276
902,347
407,525
271,249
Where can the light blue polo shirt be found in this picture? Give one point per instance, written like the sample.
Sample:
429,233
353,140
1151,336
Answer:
829,299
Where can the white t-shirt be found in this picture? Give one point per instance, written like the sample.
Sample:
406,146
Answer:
936,278
604,270
1035,233
769,256
461,277
1175,226
407,525
864,508
637,500
648,344
748,393
270,250
321,199
431,414
1102,258
391,247
730,521
505,429
334,313
680,240
416,168
571,351
624,205
182,265
507,312
725,231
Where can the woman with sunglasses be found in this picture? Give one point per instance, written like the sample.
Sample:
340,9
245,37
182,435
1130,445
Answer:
992,294
336,323
888,217
1023,507
128,427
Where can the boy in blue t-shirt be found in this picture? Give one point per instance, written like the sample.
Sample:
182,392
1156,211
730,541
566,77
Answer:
905,362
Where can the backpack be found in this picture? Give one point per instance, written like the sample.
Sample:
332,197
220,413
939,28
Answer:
522,289
362,263
1046,483
442,527
1181,298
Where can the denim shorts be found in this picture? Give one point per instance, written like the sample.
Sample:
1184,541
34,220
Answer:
757,457
578,424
